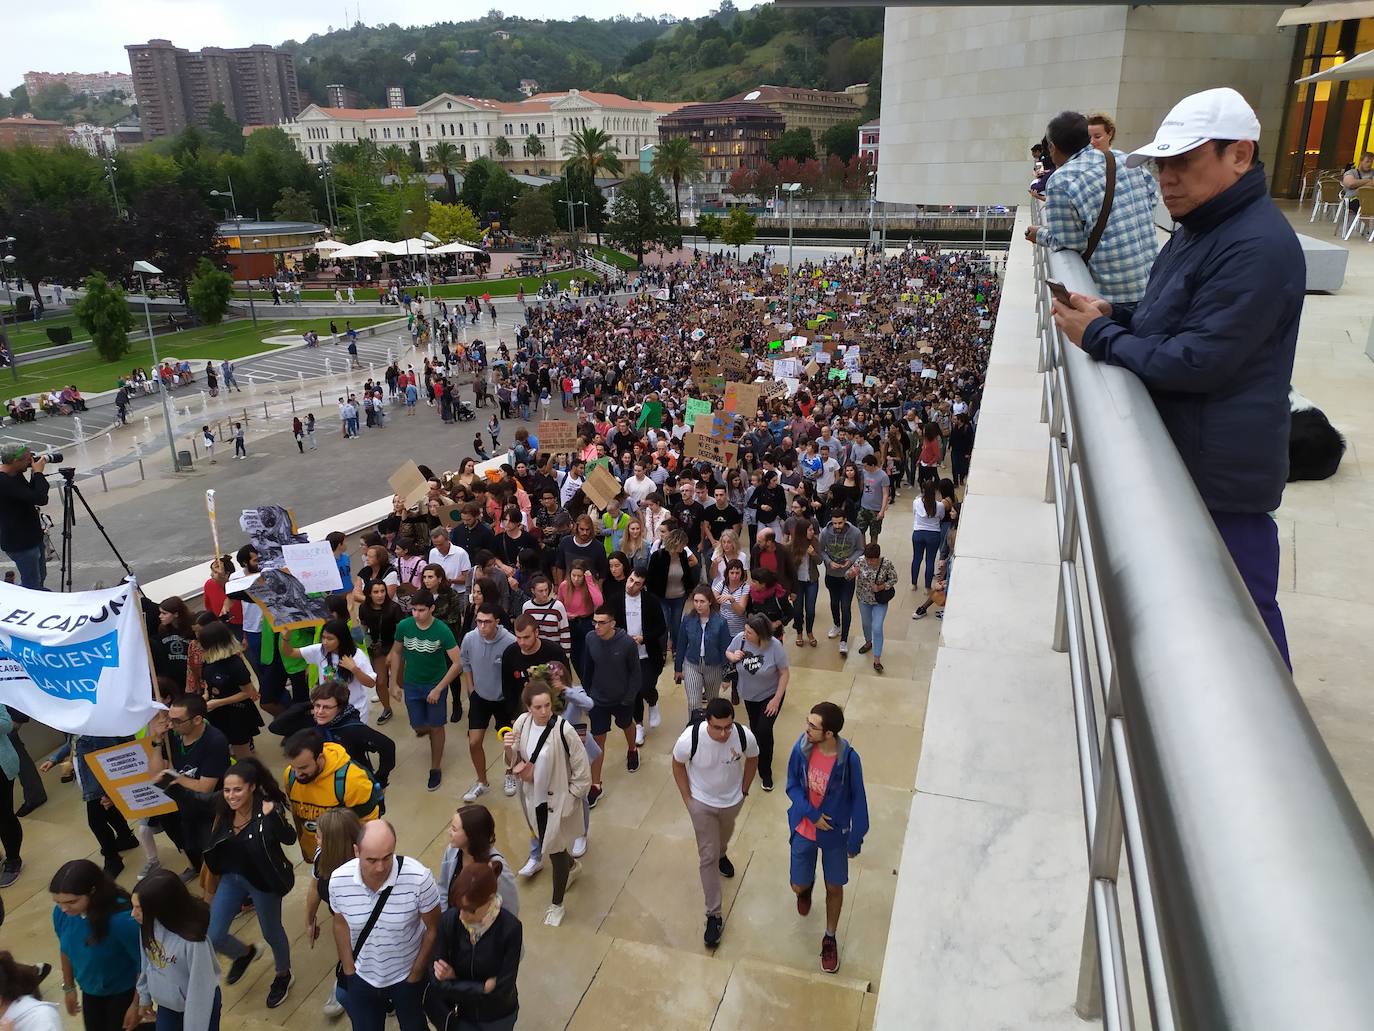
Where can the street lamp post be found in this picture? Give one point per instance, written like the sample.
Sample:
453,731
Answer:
110,169
247,278
405,228
148,267
430,239
233,201
332,210
358,211
8,262
791,189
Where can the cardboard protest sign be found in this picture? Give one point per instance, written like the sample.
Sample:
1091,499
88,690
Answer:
285,603
697,448
269,527
125,772
556,436
734,361
601,487
314,566
742,399
785,367
77,662
713,385
408,483
713,424
838,373
694,407
596,463
812,368
887,329
985,323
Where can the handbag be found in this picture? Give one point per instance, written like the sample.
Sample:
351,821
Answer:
339,977
1100,226
885,595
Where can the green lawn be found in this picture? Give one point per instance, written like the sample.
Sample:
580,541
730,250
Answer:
611,256
92,373
30,336
495,287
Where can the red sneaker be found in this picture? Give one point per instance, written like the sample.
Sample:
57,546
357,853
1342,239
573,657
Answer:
804,903
830,954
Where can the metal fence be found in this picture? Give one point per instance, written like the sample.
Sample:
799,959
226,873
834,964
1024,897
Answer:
1249,865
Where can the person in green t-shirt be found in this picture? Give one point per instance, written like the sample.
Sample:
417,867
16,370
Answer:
424,661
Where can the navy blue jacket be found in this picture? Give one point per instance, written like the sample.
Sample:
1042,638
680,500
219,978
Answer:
1213,341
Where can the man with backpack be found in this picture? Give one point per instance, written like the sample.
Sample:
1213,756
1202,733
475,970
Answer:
322,776
714,769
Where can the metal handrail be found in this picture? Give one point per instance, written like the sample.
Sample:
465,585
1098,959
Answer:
1251,868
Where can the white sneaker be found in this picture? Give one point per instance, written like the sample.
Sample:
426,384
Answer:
510,784
833,632
654,718
579,847
844,647
476,791
639,735
333,1008
553,916
572,873
531,867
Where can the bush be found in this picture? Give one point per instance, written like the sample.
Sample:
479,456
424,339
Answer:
60,335
22,304
104,312
210,290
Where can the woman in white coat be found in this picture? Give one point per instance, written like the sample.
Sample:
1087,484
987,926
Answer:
551,768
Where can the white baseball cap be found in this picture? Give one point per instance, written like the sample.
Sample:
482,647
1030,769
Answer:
1214,114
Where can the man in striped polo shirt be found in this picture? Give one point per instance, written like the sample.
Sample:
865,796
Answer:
390,964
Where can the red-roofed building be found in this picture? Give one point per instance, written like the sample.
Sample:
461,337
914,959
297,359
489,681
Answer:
474,124
37,132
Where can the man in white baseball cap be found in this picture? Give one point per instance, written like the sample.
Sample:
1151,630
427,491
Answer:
1214,336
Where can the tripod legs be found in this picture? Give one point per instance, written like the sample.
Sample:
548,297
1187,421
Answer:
69,491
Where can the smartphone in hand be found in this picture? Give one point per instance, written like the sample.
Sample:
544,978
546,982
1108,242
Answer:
1060,291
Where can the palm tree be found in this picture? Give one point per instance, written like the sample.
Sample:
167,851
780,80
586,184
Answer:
534,146
396,162
677,159
502,147
444,159
591,151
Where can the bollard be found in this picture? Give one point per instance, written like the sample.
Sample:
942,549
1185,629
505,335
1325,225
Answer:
141,474
104,486
321,393
293,404
264,409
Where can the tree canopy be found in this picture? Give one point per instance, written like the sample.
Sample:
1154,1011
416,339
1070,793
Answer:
642,216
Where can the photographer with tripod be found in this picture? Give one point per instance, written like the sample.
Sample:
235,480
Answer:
23,491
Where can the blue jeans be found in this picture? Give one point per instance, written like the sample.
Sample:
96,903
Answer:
805,618
841,590
169,1019
924,543
871,618
31,565
366,1005
672,618
233,889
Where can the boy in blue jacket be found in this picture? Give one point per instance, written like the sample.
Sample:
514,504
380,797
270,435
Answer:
828,814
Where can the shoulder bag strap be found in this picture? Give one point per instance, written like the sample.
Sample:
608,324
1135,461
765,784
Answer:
539,745
1095,237
376,912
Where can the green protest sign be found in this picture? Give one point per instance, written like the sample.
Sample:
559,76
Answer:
695,406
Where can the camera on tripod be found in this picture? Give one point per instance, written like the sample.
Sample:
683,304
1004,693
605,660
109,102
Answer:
51,457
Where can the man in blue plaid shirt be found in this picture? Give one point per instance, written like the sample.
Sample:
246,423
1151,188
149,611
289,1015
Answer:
1073,197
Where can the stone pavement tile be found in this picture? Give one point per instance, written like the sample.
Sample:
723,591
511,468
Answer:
863,928
888,809
1017,602
1334,562
809,685
1007,473
667,814
761,993
677,990
889,753
556,970
763,922
630,797
891,698
870,1007
612,853
661,902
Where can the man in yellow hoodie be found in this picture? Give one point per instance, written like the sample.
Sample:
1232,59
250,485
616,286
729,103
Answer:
321,776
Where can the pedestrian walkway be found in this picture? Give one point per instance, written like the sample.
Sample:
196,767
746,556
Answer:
629,952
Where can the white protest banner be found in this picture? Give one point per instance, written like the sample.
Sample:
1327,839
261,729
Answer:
491,468
985,323
313,565
77,662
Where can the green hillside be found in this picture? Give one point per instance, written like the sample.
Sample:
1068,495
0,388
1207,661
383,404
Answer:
654,58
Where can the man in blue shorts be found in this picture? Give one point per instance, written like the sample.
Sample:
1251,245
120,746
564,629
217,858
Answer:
828,814
424,660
